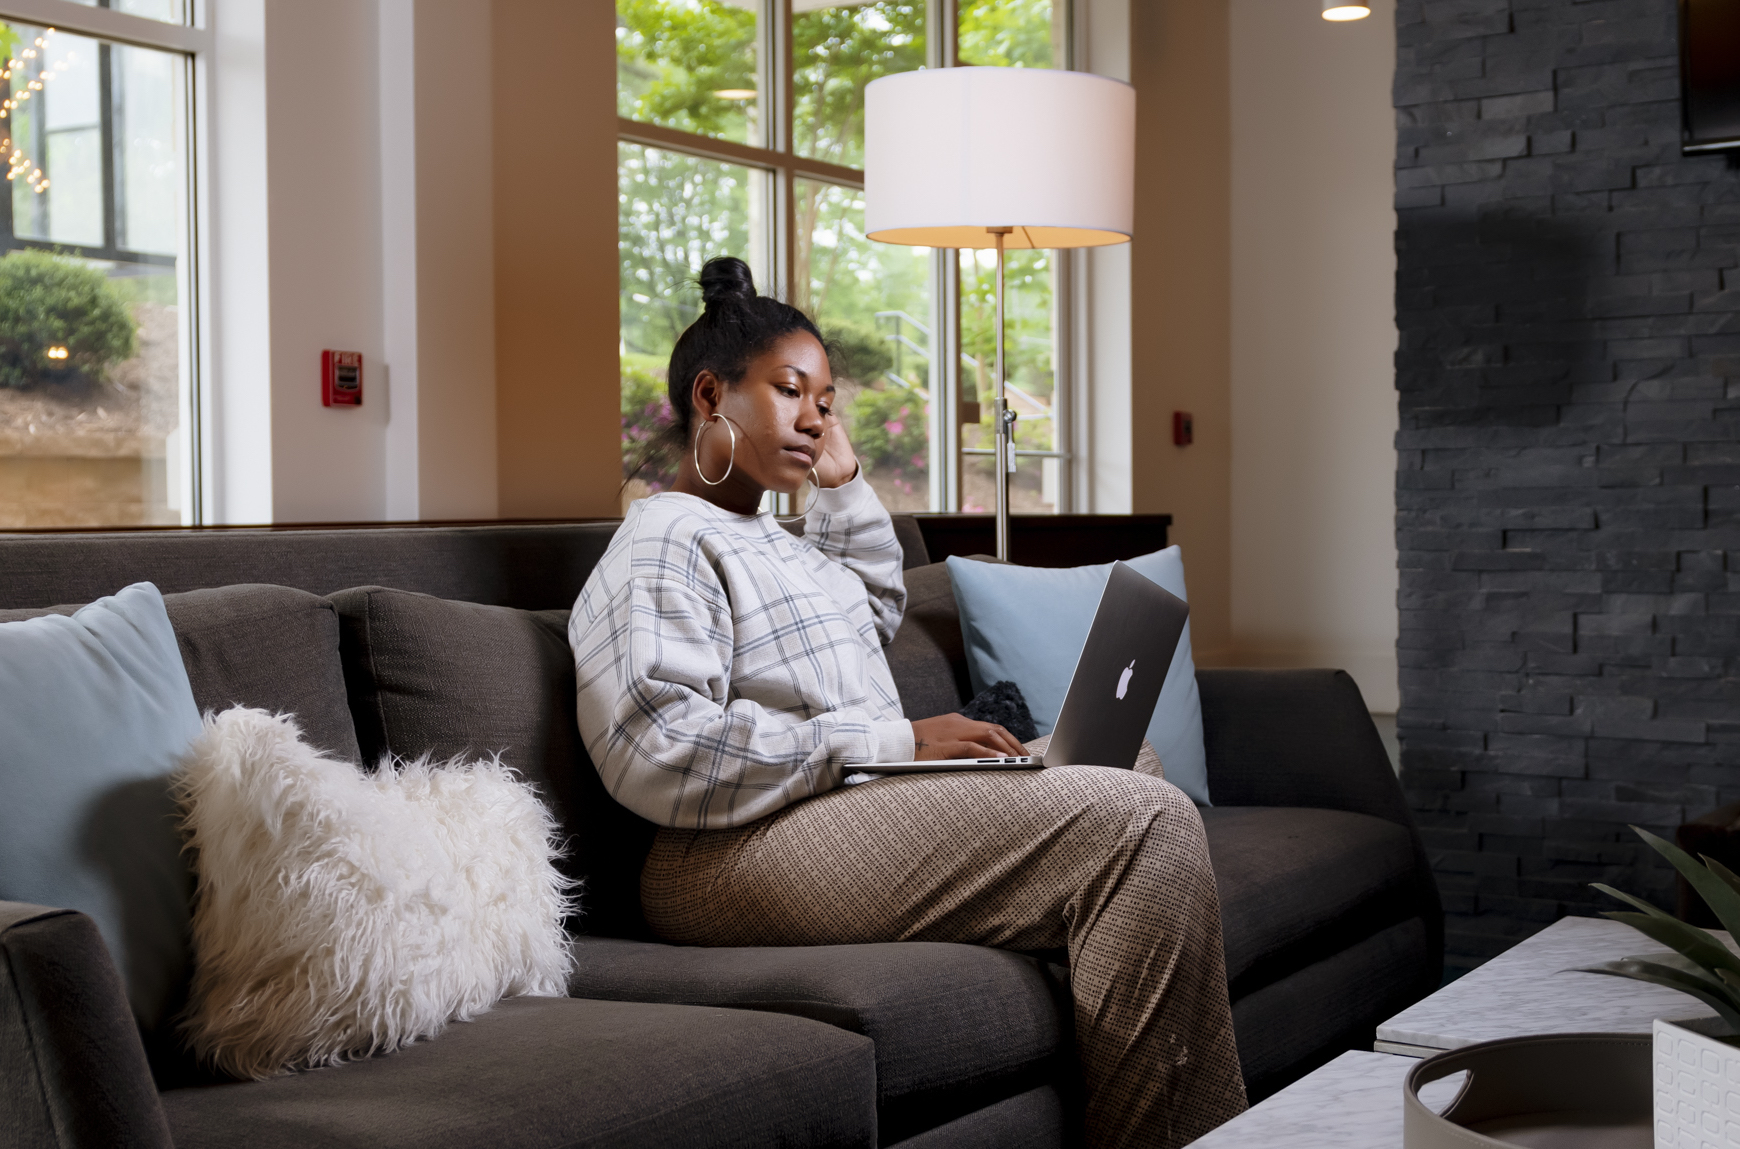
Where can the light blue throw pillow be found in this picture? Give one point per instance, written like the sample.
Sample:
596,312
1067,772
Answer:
95,712
1026,625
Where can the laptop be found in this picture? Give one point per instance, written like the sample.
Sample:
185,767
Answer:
1114,689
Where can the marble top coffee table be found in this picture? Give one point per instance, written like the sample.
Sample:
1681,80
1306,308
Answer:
1523,991
1354,1102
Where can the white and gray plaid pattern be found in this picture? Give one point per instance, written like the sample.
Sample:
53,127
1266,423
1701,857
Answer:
727,669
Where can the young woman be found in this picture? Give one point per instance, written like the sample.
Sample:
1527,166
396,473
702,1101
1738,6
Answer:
731,677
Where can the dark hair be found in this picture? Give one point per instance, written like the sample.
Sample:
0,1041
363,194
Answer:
734,327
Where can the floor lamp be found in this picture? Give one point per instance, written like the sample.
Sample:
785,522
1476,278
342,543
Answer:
999,158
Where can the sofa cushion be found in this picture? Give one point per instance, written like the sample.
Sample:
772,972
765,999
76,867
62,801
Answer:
268,647
913,552
258,645
434,676
955,1026
928,657
538,1073
1299,884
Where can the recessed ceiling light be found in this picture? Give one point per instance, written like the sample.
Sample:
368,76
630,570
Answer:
1336,10
735,93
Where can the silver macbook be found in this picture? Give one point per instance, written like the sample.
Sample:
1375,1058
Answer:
1114,690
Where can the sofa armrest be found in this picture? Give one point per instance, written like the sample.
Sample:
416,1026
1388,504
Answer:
1305,738
72,1067
1295,738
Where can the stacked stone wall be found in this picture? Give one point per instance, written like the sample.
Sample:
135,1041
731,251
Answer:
1568,484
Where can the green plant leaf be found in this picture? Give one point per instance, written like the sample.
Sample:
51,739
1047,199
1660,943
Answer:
1633,900
1679,962
1689,941
1723,872
1723,899
1717,997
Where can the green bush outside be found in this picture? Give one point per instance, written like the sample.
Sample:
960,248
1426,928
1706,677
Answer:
886,423
50,302
857,352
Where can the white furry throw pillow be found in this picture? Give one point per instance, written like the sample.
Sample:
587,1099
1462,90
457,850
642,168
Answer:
340,913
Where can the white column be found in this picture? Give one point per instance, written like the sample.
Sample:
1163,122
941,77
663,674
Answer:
234,266
1101,370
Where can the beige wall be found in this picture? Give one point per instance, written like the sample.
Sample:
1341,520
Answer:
1179,296
1313,339
1262,302
557,418
456,165
460,234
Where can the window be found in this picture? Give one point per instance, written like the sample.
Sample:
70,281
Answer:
742,129
96,381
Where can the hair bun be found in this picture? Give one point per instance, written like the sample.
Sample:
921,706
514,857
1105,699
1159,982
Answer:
726,279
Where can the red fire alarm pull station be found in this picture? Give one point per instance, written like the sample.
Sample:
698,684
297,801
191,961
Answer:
1183,429
341,378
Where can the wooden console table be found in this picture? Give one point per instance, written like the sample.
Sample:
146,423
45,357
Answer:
1046,540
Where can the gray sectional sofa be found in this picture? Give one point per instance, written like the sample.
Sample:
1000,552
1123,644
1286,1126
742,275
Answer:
446,639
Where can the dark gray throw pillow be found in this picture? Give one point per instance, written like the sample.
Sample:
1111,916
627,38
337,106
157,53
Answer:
434,676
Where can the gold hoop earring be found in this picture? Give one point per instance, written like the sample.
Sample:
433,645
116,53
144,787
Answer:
794,518
732,462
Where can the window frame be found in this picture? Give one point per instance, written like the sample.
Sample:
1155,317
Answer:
194,41
783,167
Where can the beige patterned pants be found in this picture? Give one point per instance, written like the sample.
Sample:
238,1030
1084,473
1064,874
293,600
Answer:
1111,863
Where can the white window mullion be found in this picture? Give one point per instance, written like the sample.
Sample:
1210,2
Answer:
108,24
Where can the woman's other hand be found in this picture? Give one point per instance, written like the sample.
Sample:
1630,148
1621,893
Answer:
956,736
835,462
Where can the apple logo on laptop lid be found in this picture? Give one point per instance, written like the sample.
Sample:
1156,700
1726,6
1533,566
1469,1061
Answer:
1124,679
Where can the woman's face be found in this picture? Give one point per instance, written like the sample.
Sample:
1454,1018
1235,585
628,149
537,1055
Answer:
781,409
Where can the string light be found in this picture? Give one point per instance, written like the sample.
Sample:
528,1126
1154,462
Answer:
17,163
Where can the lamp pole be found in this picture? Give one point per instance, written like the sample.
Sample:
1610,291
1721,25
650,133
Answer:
1004,460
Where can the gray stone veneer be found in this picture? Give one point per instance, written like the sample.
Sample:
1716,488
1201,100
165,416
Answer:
1568,475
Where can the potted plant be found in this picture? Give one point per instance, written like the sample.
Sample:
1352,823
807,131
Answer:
1697,1064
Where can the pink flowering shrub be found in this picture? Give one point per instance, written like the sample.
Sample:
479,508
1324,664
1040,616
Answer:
646,415
888,428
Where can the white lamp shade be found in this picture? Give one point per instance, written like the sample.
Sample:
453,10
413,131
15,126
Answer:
949,152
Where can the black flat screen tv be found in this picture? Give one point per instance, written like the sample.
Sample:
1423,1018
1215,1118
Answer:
1709,76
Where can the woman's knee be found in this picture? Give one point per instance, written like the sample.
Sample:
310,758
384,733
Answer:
1124,804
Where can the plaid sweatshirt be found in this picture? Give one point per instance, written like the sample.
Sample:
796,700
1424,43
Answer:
727,669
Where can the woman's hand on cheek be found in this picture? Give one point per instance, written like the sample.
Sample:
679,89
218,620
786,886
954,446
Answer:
836,464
